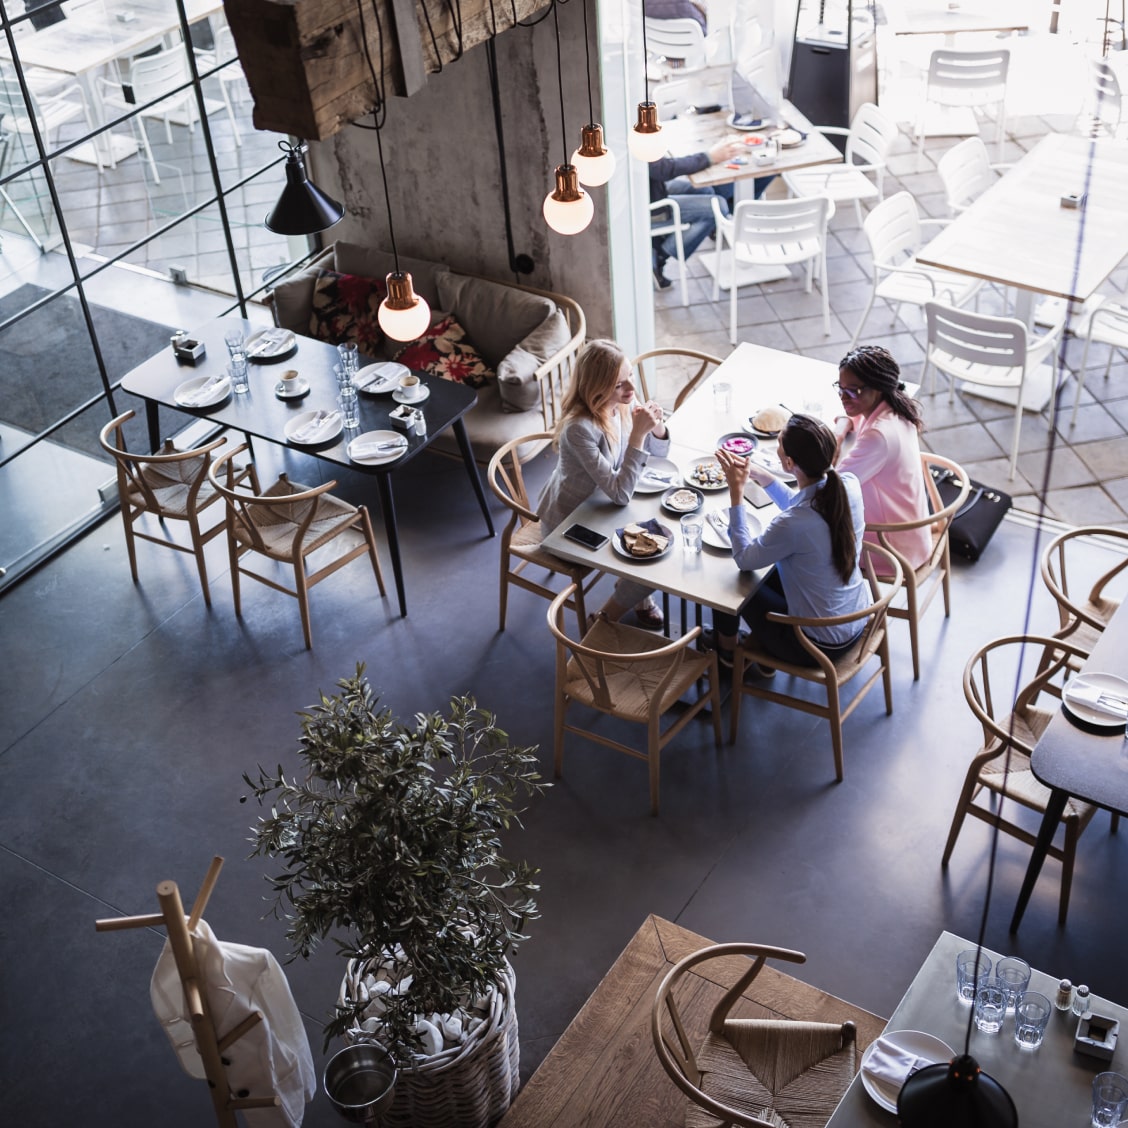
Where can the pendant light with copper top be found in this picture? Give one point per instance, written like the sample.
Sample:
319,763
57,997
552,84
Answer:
645,140
594,162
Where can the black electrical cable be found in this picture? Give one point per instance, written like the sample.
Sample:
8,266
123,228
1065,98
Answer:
519,264
587,66
431,33
645,54
560,81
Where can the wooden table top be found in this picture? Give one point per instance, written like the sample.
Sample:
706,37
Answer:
698,133
604,1071
1018,234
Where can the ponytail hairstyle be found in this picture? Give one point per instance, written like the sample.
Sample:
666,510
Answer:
592,391
876,368
811,445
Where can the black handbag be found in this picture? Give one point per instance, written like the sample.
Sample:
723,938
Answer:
974,525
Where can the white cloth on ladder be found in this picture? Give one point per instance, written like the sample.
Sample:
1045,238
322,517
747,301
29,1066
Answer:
273,1057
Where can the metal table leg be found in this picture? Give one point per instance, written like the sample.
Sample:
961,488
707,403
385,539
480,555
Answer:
1050,820
472,469
384,484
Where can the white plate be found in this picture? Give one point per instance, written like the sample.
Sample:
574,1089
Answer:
301,390
667,532
1085,712
378,437
285,344
790,138
712,538
915,1042
321,436
752,125
692,481
661,466
377,379
401,397
189,388
694,505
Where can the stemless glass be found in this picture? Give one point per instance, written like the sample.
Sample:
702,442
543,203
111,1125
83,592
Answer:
236,342
1110,1096
1031,1014
990,1006
237,370
1013,975
349,355
350,406
969,976
692,527
722,397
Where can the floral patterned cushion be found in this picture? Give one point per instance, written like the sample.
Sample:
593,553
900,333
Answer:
444,351
345,308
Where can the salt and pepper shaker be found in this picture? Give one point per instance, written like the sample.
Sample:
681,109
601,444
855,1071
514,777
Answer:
1081,1001
419,423
1063,1000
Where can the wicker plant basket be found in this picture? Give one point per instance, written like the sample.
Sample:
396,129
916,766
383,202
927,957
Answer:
468,1086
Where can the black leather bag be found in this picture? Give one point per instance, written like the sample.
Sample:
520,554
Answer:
975,523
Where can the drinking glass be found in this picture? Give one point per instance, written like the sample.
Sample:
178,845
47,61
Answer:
722,398
1031,1014
1110,1096
348,353
344,377
236,342
1013,975
692,526
967,978
990,1006
237,371
350,406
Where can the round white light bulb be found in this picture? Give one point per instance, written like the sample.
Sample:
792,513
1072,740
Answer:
568,217
646,146
405,324
594,171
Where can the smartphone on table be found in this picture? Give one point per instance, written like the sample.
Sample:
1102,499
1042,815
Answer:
589,538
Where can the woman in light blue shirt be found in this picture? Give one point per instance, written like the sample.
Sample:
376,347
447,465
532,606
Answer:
814,543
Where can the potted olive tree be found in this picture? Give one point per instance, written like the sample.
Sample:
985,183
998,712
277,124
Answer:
390,844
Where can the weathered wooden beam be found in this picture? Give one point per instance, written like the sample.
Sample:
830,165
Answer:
305,61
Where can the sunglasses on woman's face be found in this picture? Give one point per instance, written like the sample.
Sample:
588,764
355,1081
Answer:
847,393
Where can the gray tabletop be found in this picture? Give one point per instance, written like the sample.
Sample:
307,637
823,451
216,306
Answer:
1050,1086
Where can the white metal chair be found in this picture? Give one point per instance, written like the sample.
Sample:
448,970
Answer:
680,43
868,141
893,231
1104,102
991,352
223,52
661,227
1108,325
681,48
966,173
49,111
773,233
972,80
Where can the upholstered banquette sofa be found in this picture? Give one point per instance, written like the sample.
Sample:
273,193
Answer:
513,344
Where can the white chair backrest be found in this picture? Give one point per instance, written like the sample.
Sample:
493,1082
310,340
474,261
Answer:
681,40
962,71
966,173
1105,98
671,98
871,136
154,75
224,45
1110,321
975,337
772,222
893,229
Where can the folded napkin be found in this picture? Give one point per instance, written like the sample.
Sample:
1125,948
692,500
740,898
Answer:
269,340
720,525
323,421
375,449
890,1064
1106,701
652,526
654,478
374,378
206,391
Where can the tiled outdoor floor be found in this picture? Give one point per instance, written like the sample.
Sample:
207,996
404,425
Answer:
1087,464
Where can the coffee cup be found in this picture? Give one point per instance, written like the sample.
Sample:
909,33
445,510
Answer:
291,382
411,387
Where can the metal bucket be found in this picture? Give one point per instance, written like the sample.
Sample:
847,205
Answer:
359,1081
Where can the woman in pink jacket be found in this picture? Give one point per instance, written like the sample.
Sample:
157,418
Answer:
885,454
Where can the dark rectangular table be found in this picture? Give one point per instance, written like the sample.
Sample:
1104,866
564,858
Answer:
1069,761
259,413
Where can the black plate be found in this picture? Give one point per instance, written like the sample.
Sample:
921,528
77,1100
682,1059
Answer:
675,509
738,435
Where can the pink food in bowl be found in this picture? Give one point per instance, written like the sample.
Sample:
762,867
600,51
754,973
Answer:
738,445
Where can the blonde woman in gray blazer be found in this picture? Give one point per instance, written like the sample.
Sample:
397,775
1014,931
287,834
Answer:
604,439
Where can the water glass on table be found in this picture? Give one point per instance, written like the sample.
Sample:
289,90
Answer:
1110,1099
236,342
1031,1014
350,357
1013,975
349,404
990,1006
970,975
237,370
692,528
722,397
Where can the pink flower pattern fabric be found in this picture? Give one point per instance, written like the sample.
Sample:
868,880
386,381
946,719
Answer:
444,351
345,308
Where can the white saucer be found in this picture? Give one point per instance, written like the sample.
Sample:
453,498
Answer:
376,379
712,538
321,436
399,396
301,390
751,124
915,1042
379,437
185,391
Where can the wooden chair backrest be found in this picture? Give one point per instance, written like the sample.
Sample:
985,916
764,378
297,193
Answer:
1056,576
640,362
506,478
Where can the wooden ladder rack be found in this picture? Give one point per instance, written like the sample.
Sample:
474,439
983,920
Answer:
208,1040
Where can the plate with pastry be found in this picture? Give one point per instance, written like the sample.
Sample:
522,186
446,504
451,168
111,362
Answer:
705,474
645,540
682,499
768,421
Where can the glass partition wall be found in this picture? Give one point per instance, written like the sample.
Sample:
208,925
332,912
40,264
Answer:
132,192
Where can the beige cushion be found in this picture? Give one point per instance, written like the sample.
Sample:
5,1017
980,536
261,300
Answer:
519,391
293,297
496,316
489,428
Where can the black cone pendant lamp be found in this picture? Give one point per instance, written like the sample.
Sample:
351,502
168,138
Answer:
302,209
957,1094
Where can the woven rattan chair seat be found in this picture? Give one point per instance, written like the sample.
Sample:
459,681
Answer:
172,496
277,525
844,663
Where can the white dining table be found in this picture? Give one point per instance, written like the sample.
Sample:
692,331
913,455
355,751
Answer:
758,377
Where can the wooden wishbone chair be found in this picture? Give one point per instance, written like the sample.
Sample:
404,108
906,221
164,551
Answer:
642,363
1082,618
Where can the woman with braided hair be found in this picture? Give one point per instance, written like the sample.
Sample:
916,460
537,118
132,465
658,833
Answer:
814,543
885,454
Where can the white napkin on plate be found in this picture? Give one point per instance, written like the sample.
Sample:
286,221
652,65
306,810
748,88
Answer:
268,341
1106,701
719,523
376,449
654,478
890,1064
205,391
323,421
373,378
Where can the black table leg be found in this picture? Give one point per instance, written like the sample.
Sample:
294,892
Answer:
472,470
384,484
1050,820
152,418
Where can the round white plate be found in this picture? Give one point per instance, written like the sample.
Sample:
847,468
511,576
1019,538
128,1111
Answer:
693,506
915,1042
666,469
690,480
189,388
713,539
667,532
790,138
1085,712
401,397
301,390
321,436
283,347
378,437
378,379
751,124
747,425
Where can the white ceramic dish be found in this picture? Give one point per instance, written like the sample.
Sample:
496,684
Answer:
713,538
915,1042
379,379
790,138
264,349
748,124
667,532
690,480
368,437
674,503
322,435
185,393
663,468
1109,683
301,389
400,396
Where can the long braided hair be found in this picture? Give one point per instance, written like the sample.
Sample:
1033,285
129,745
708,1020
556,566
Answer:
811,445
875,367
